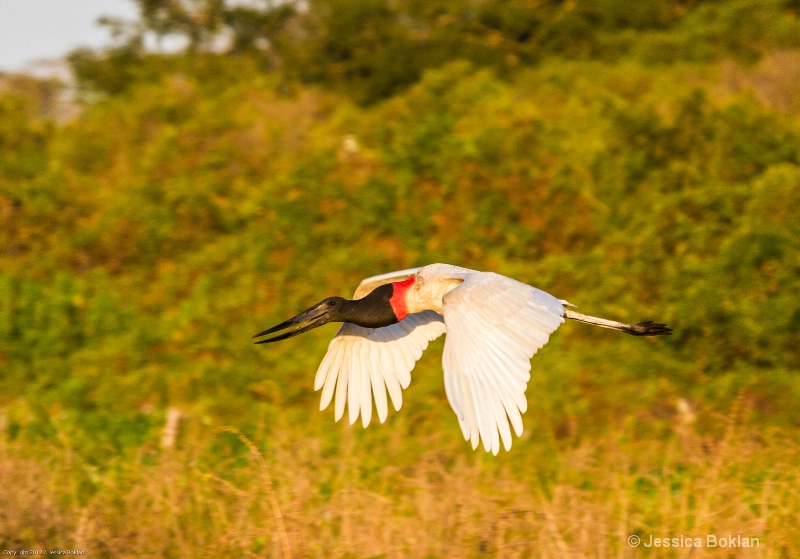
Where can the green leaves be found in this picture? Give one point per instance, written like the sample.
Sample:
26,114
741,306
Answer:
166,224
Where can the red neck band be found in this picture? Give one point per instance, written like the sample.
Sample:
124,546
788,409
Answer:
398,300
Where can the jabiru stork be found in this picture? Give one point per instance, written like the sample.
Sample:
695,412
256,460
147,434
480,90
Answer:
494,326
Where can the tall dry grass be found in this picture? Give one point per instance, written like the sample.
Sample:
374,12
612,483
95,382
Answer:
186,503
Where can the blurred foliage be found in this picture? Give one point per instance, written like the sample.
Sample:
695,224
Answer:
138,236
596,150
370,49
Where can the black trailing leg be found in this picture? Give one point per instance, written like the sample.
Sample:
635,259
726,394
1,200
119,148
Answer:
648,328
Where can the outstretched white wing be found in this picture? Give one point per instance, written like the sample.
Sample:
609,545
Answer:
366,362
494,326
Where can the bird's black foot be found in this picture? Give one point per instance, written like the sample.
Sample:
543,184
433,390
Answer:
649,328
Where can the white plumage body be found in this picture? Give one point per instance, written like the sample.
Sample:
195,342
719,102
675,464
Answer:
494,326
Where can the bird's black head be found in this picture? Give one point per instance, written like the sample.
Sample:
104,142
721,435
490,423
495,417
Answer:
333,305
373,311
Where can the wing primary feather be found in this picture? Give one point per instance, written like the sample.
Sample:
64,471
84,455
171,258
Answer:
331,376
480,410
502,423
466,345
452,396
508,393
404,362
389,375
398,365
325,366
378,382
354,389
469,408
366,385
343,379
514,416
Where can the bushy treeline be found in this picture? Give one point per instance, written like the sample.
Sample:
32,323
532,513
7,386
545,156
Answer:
370,49
145,240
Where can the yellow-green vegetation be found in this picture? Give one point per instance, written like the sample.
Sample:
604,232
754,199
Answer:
143,241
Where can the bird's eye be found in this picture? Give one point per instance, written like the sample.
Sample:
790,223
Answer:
332,303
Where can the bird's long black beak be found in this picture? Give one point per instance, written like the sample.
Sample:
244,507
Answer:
305,321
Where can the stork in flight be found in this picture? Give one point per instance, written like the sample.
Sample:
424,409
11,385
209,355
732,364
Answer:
494,326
